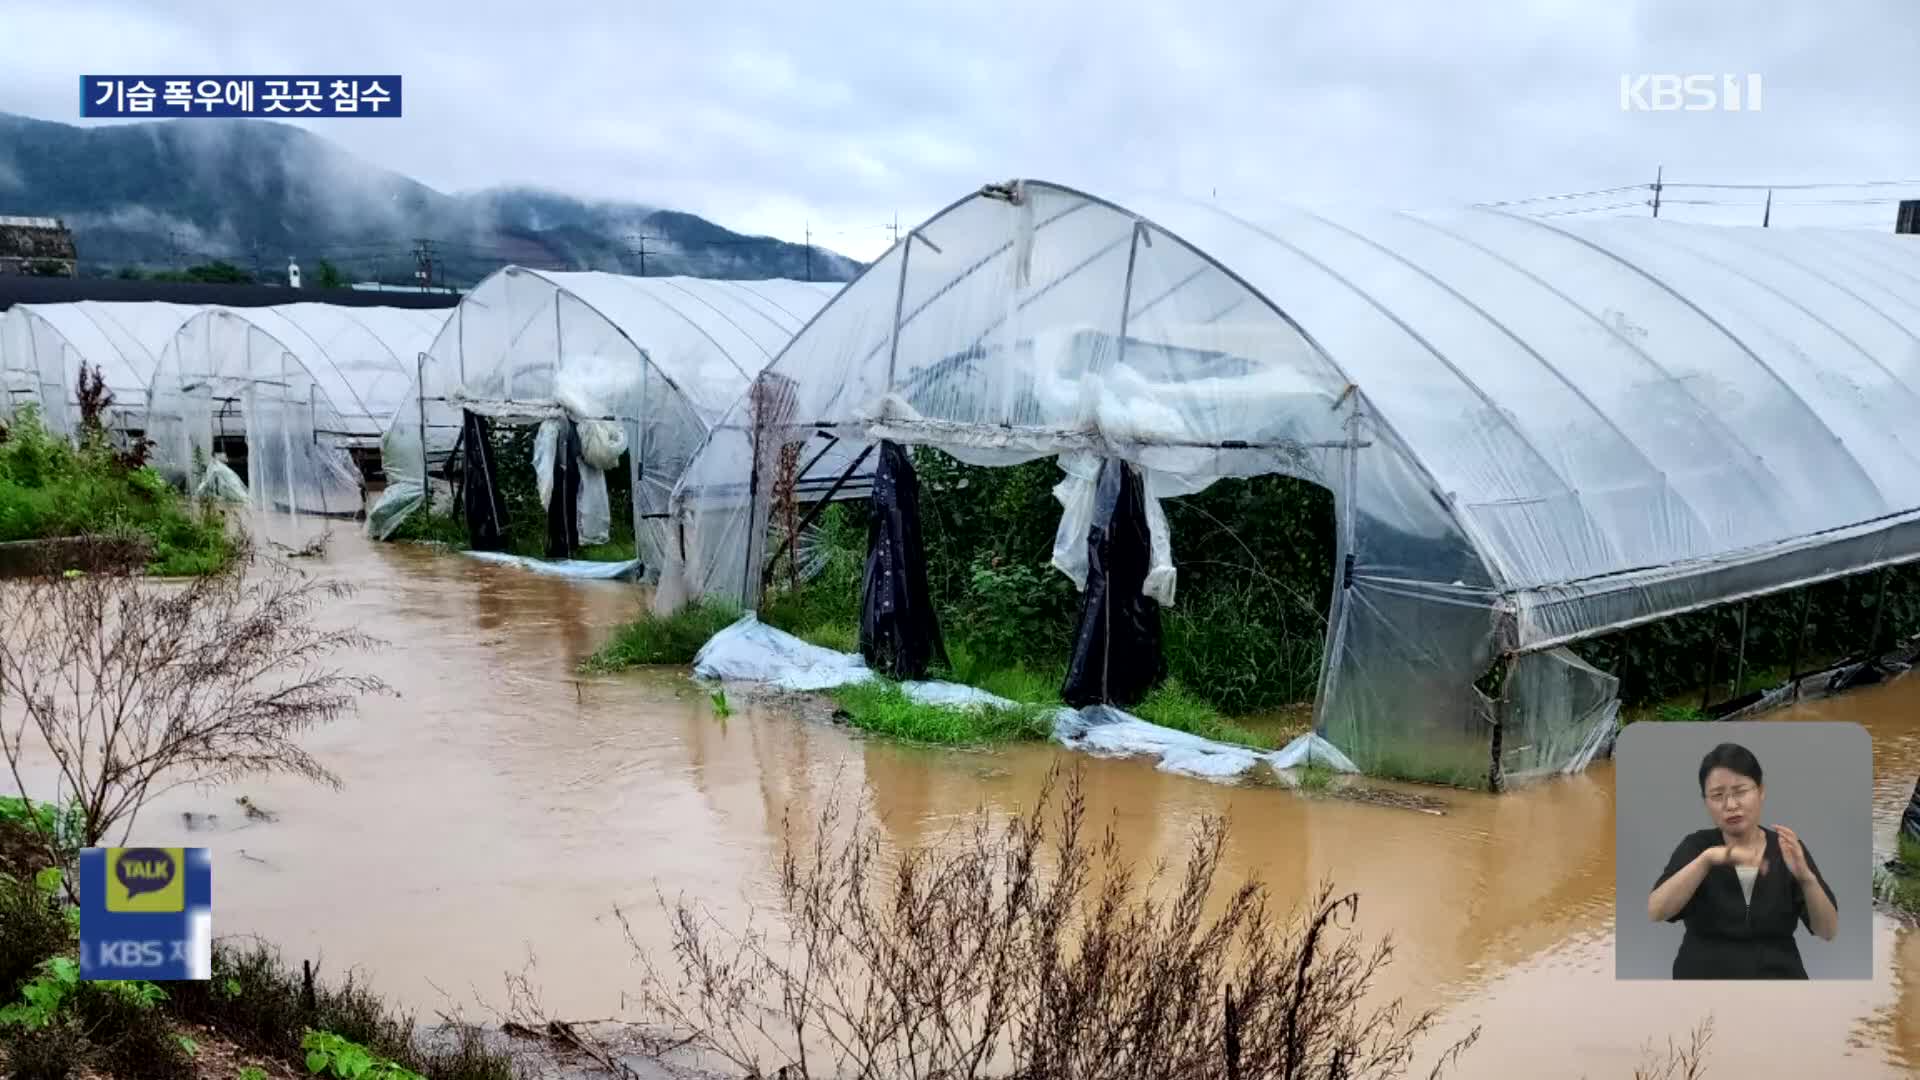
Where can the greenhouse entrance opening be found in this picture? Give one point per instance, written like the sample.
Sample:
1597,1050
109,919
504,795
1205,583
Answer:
536,486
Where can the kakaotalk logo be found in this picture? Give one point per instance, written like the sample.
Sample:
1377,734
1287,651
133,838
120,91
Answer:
145,879
1690,93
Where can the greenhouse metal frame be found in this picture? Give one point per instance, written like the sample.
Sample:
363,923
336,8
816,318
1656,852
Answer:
43,348
1536,431
300,384
662,357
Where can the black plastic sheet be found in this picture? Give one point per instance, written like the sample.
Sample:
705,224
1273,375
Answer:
899,631
563,510
1116,651
485,510
1910,821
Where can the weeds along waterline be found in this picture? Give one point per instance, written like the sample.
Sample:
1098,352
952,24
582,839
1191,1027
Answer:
51,488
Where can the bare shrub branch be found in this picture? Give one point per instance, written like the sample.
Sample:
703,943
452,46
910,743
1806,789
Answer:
1027,948
137,686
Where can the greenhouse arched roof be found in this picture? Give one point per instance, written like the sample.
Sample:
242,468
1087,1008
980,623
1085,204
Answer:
708,337
1564,426
42,347
664,355
361,358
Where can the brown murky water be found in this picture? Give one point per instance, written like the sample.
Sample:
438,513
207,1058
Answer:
501,807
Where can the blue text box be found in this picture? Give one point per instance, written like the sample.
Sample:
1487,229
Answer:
284,96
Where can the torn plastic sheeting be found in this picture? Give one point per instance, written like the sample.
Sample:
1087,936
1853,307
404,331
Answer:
1312,749
582,569
601,444
1077,494
1108,731
221,483
954,695
1117,657
899,631
752,651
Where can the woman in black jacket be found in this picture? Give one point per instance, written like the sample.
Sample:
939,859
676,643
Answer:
1742,888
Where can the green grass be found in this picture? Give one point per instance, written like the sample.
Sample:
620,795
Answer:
1902,890
669,639
50,488
1314,778
880,706
427,528
1174,706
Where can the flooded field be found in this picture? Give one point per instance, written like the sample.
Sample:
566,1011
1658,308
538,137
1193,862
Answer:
500,807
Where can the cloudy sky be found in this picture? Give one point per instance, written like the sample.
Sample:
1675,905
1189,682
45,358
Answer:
771,118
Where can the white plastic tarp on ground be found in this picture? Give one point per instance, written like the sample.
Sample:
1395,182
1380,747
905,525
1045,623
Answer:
751,651
1535,431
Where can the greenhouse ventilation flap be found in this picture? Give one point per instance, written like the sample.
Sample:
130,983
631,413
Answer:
660,357
297,385
44,346
1535,431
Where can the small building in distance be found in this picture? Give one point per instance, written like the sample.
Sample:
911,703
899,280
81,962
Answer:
37,245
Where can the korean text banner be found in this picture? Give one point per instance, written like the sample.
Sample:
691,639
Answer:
105,96
146,913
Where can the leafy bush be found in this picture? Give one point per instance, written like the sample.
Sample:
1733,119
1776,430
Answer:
34,928
50,488
345,1059
257,1001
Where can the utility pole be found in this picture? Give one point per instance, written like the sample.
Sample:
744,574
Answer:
423,262
1766,216
1658,175
256,261
809,251
637,245
173,248
895,227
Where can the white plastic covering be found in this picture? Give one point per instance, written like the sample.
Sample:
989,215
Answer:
751,651
582,569
1535,431
43,346
299,383
660,358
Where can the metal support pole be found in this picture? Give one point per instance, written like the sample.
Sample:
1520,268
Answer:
286,448
1713,671
899,305
1799,641
747,577
420,401
1740,659
1879,611
813,512
1126,291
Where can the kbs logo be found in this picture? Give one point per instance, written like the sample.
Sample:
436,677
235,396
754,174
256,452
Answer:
1690,93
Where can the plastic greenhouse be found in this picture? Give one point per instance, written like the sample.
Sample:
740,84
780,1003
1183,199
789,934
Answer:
1535,431
44,346
291,388
649,363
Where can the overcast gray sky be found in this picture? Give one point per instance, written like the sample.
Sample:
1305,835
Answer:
768,117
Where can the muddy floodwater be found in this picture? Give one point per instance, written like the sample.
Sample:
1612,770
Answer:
500,807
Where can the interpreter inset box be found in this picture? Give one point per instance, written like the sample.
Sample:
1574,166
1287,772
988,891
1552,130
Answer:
1743,850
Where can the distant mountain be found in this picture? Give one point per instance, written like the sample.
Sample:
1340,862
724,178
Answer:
252,192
